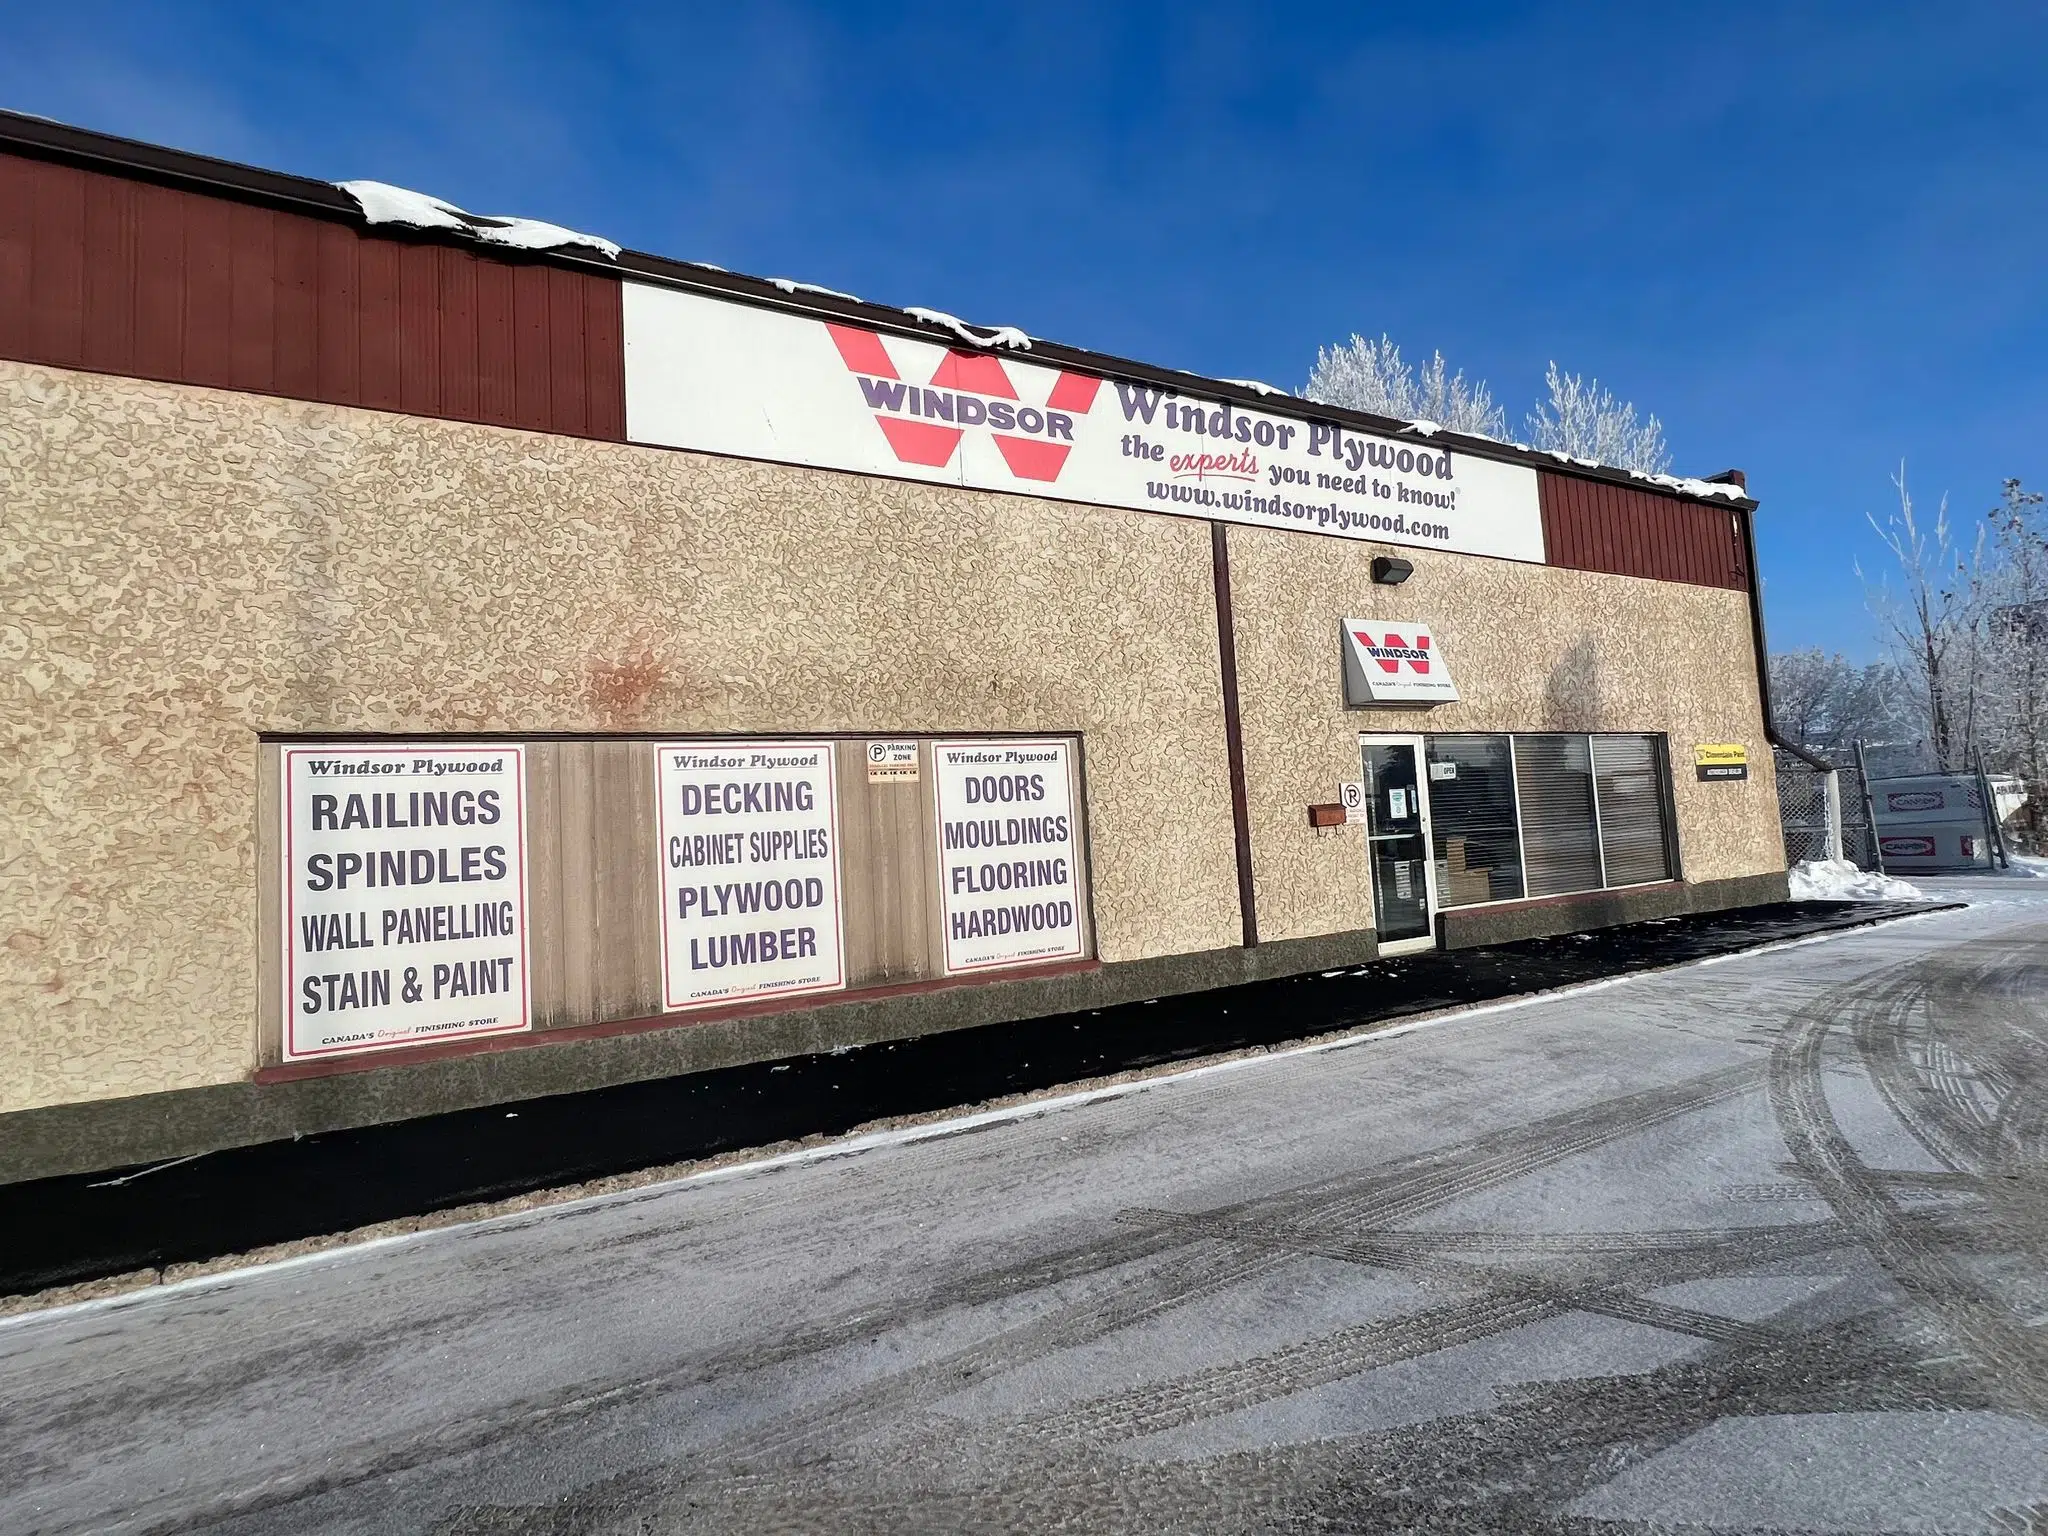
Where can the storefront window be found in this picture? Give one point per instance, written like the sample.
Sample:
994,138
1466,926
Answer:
1472,815
1548,815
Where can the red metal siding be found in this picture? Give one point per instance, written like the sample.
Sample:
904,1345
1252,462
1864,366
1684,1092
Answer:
119,276
1590,525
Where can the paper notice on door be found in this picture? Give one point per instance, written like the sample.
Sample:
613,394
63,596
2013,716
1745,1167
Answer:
1404,883
1397,807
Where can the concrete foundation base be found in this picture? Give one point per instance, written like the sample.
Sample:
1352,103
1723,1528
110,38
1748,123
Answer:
119,1133
1505,922
146,1128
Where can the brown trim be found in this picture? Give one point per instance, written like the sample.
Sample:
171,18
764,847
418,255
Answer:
1233,732
38,138
365,1061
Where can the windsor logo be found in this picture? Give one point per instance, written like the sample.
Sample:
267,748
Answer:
1392,652
925,423
1394,663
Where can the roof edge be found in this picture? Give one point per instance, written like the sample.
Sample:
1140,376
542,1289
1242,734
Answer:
45,138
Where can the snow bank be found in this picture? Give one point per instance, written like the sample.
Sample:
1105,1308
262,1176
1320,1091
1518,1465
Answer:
385,204
2027,866
1839,880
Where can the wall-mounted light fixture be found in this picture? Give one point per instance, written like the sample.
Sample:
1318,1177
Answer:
1390,571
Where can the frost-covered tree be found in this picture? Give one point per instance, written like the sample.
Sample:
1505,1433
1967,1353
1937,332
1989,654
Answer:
1587,422
2012,598
1828,703
1371,376
1932,626
1968,632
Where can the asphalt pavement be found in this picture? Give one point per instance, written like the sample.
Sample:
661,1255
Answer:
1759,1244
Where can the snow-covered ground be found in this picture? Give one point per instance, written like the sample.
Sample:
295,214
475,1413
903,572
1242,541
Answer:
1839,880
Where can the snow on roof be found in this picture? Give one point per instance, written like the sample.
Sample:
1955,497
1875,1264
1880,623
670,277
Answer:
1684,484
791,285
1692,487
385,204
1001,336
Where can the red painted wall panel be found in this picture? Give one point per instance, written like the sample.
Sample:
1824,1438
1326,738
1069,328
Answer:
1590,525
119,276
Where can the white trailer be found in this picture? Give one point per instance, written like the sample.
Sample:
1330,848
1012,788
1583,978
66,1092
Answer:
1936,823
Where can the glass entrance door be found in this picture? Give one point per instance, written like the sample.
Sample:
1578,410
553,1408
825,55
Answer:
1397,843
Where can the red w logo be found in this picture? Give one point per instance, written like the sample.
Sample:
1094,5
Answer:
960,395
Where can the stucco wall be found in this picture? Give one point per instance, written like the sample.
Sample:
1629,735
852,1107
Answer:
1532,648
182,568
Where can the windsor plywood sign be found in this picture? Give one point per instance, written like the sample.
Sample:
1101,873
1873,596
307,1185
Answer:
748,836
1009,854
404,895
730,378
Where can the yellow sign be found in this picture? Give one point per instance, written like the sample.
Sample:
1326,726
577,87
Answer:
1719,754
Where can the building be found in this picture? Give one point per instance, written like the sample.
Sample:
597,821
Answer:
449,660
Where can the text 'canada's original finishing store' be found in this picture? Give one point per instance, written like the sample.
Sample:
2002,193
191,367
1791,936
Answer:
507,648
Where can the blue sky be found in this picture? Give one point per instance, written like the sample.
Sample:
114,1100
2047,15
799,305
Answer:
1811,237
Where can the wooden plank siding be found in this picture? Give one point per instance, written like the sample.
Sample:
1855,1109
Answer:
124,276
889,872
1590,525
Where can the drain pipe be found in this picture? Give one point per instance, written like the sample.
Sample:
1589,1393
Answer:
1746,523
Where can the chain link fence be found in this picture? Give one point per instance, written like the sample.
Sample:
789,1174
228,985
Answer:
1823,813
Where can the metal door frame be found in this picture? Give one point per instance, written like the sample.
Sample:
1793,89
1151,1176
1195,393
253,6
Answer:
1421,748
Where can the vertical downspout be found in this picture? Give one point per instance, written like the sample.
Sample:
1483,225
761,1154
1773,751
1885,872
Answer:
1233,732
1745,521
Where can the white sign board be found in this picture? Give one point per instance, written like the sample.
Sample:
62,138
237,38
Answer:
1009,857
748,838
731,378
1394,661
404,895
1351,795
892,762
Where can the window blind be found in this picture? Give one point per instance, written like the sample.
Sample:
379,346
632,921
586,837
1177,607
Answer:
1633,833
1560,840
1472,816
